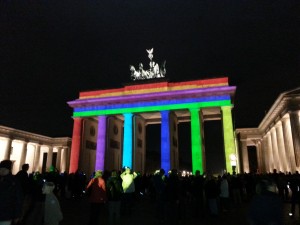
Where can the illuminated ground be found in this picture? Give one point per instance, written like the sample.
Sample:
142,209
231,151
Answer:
76,213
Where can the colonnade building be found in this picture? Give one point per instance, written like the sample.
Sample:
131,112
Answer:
276,141
40,152
109,125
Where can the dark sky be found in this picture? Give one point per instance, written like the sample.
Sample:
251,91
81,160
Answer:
52,50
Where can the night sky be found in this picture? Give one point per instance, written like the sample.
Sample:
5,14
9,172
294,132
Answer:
52,50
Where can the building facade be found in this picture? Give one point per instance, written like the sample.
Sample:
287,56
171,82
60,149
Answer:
276,141
109,125
40,152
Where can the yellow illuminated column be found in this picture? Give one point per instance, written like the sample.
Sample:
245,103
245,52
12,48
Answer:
281,147
288,143
229,145
295,127
8,149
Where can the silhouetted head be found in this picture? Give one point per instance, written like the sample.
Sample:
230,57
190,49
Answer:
7,164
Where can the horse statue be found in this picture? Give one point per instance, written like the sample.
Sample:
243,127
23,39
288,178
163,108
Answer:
155,71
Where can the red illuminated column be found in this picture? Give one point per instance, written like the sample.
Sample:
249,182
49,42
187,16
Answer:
76,141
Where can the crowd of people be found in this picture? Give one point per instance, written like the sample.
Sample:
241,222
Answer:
33,198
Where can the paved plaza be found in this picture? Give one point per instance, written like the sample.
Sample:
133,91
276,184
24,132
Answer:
76,212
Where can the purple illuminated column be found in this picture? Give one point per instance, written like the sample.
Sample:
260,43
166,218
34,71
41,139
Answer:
165,141
101,143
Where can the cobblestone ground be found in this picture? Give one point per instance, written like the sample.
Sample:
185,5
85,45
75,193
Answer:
76,212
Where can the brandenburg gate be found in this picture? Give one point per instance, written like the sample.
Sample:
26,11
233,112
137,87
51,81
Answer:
121,115
109,125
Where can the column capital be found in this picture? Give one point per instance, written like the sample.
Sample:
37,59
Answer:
294,112
226,107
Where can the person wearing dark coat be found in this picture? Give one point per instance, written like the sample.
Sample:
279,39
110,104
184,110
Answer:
114,195
266,206
11,198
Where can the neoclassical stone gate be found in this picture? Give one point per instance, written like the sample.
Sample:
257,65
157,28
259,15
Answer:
109,125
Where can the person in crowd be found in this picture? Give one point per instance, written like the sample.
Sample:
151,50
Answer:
114,195
128,188
11,199
173,196
36,212
159,184
224,194
212,194
96,190
266,207
295,198
236,189
23,178
197,192
53,213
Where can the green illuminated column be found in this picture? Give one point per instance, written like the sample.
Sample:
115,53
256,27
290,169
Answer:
230,153
197,163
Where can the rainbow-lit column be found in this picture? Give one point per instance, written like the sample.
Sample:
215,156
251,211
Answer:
101,143
165,141
229,145
197,159
127,143
76,141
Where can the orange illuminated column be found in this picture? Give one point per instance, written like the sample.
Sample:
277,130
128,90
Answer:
75,149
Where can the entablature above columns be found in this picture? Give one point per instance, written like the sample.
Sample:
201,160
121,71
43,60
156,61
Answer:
29,137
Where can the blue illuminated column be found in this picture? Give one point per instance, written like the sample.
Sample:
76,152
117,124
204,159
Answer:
127,142
101,143
197,159
165,141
